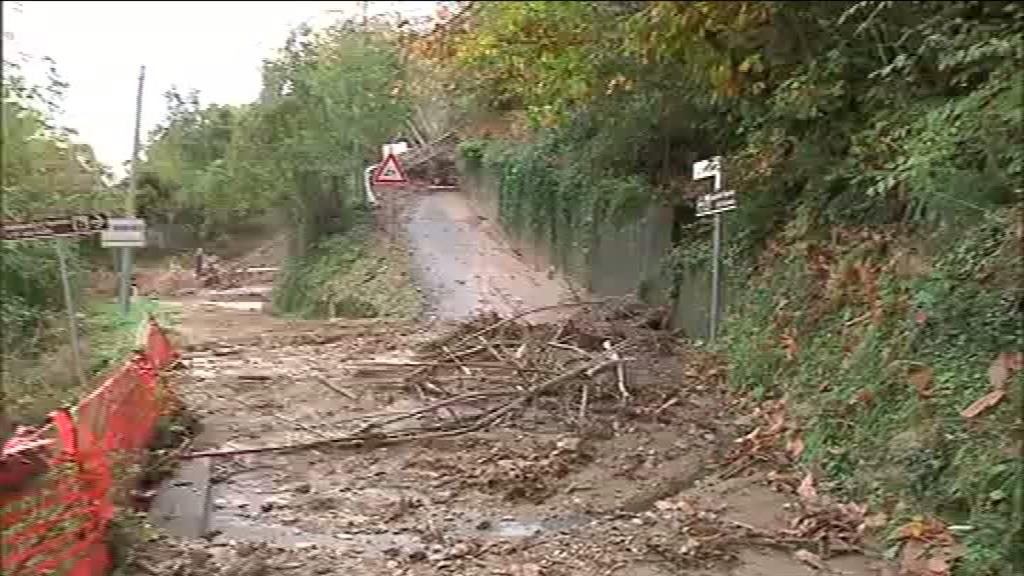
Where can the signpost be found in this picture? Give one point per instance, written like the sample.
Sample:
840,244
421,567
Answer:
124,293
79,225
124,233
60,228
714,205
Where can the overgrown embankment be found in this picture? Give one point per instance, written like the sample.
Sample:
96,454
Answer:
351,275
873,268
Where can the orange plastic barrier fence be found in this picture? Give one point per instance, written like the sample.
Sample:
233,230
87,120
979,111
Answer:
58,486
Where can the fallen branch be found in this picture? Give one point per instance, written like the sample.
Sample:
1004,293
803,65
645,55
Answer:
368,435
331,387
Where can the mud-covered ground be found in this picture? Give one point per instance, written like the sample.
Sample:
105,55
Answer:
659,473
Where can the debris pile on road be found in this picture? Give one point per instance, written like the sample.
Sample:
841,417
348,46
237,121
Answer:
490,370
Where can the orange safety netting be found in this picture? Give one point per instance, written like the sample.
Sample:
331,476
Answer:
57,486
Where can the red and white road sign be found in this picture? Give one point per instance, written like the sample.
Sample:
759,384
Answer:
389,172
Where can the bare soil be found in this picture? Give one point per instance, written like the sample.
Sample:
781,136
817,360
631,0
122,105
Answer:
649,484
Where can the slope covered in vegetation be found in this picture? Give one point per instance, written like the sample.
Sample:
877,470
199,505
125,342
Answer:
874,264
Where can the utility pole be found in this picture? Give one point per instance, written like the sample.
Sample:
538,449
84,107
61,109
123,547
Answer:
124,295
65,280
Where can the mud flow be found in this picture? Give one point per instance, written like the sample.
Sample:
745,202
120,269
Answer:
581,443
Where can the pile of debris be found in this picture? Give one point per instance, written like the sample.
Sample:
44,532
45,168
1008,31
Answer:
491,370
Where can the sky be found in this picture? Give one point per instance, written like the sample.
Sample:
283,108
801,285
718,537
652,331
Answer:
214,47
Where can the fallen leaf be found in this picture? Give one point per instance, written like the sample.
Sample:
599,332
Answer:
937,566
984,403
789,344
876,521
912,558
865,396
795,447
809,558
1003,367
806,489
921,378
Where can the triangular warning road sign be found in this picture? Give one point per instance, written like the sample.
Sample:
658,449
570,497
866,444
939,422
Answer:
389,172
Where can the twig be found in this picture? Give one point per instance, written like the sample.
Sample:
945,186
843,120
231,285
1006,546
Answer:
483,365
455,359
515,317
620,371
435,406
671,402
583,402
330,387
360,439
570,348
298,425
501,358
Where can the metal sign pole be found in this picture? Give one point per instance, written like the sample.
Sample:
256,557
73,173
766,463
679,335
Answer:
716,282
69,303
124,294
714,204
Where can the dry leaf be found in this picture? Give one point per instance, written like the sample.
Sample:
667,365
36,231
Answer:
1003,367
809,558
865,396
795,447
806,489
912,558
876,521
938,566
921,378
984,403
789,344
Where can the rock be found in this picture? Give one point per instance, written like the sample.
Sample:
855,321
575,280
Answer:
244,549
392,552
302,488
220,503
569,444
417,555
483,525
459,550
251,566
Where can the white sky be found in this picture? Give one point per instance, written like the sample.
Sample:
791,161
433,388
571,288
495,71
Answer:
215,47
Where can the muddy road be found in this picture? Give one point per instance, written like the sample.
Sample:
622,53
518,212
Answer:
466,266
591,444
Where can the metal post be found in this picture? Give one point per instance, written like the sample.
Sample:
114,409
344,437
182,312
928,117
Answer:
716,284
69,303
124,294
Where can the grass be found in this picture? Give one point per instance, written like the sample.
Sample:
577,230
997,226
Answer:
883,357
37,383
350,275
113,335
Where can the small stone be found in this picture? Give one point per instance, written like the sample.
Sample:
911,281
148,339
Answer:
302,488
220,503
305,545
483,525
392,552
417,555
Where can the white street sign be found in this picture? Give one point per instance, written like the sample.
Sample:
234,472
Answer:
710,168
709,204
124,233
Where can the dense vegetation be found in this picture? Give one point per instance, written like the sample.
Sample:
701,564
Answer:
45,172
295,156
878,148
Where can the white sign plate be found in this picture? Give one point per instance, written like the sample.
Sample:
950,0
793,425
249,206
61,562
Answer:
124,233
715,203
